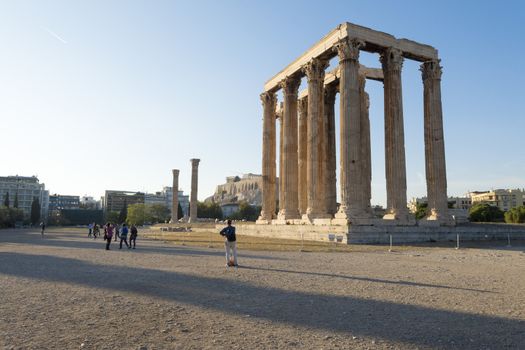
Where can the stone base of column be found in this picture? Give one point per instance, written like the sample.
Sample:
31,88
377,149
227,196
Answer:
173,222
314,218
287,222
400,218
288,214
352,216
437,219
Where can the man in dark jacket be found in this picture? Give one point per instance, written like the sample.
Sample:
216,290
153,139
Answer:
230,243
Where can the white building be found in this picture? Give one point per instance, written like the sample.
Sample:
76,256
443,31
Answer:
26,188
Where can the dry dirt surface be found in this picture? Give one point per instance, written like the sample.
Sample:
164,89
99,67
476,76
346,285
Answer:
64,291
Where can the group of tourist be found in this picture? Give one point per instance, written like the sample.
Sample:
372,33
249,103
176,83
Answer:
116,231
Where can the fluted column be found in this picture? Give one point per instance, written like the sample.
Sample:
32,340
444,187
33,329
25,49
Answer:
395,166
352,208
331,166
436,173
175,199
302,153
290,208
314,71
194,188
269,101
366,174
281,157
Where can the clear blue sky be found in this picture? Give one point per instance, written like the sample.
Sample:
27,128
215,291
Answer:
99,95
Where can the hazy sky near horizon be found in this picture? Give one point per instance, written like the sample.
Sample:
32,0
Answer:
98,95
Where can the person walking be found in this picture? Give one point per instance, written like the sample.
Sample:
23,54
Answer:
230,244
96,231
90,229
133,236
124,236
108,234
43,226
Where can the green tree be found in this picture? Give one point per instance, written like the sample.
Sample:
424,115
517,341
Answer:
158,212
210,210
246,212
180,213
123,215
136,214
112,216
35,211
421,210
6,200
15,204
483,212
515,215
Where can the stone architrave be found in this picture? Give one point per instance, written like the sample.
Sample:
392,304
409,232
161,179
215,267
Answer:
269,101
436,174
175,199
290,206
194,188
352,208
315,71
302,154
395,165
366,155
331,166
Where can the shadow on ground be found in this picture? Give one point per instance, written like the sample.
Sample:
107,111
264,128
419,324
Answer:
417,325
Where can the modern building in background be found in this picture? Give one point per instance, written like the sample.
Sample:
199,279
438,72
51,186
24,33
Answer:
60,201
184,200
88,202
502,198
454,202
116,200
26,188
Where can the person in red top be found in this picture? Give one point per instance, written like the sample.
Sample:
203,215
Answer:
109,234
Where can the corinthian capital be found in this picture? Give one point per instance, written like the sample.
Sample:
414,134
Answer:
348,49
314,69
329,93
268,100
391,59
431,70
302,107
290,85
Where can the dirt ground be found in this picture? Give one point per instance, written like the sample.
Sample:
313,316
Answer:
64,291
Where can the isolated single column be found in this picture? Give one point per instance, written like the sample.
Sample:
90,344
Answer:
194,187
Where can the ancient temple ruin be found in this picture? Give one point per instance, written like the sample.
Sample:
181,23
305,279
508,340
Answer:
307,179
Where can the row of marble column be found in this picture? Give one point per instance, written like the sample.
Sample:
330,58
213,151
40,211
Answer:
307,188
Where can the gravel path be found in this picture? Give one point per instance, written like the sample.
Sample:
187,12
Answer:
66,292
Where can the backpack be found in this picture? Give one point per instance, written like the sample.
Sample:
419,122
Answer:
124,230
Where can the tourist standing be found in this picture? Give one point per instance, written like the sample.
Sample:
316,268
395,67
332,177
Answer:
230,243
124,236
90,229
116,231
108,234
133,236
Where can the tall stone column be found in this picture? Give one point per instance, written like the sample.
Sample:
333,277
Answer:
194,187
392,61
175,199
314,71
302,153
281,157
290,208
366,156
351,209
269,101
436,173
331,166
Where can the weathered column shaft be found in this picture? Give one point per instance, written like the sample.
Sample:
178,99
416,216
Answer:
350,155
331,166
269,101
290,208
175,199
281,157
392,61
436,173
366,174
194,188
314,177
302,153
